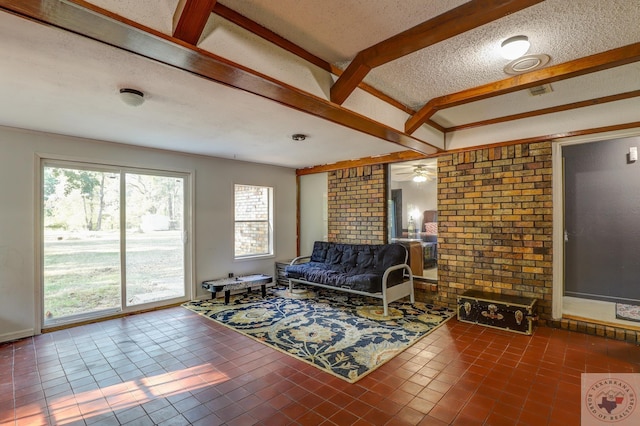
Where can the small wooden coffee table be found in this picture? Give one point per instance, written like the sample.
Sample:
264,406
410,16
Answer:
237,283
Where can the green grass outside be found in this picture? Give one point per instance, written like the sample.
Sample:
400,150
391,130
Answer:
82,271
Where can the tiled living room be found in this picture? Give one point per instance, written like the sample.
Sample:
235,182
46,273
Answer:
173,367
131,134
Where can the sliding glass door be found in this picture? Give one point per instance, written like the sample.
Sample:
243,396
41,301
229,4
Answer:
154,238
81,242
113,240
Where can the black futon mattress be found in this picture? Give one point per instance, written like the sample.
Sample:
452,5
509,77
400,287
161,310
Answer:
351,266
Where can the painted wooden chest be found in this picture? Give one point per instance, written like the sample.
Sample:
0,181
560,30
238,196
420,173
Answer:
512,313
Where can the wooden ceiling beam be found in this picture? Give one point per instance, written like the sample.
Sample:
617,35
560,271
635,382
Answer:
265,33
85,19
550,110
410,155
589,64
394,157
456,21
192,18
268,35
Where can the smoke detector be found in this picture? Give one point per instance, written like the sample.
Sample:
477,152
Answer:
131,97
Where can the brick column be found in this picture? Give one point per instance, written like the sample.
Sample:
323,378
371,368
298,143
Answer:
357,200
495,223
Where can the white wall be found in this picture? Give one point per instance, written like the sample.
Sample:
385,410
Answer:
212,216
314,222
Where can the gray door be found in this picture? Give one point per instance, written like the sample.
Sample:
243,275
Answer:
602,221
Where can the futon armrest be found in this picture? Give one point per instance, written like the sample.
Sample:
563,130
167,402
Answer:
299,259
407,273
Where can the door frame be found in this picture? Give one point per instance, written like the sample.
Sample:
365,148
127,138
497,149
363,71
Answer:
557,305
189,250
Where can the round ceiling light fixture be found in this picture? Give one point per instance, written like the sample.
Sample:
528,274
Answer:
526,63
298,137
514,47
131,97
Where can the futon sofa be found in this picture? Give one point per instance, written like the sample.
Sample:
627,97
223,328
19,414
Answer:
375,270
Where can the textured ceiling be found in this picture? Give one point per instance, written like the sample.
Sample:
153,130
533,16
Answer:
71,82
336,30
622,79
68,85
564,30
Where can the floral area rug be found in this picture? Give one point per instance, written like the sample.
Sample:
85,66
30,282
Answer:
628,312
343,334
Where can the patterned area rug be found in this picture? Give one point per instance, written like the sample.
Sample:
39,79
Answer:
628,312
345,335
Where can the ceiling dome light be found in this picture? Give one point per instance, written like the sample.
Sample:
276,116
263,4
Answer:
420,178
514,47
132,97
526,63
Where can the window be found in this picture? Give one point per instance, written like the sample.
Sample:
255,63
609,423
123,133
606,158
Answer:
253,221
113,239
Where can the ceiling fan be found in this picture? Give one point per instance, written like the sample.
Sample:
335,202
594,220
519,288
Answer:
421,173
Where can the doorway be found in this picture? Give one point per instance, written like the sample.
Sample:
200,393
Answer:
413,199
114,240
602,203
596,204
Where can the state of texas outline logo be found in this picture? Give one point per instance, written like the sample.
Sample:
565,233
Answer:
611,400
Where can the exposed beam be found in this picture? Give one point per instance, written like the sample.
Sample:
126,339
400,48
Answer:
549,137
410,155
544,111
193,16
449,24
598,62
368,161
257,29
86,19
268,35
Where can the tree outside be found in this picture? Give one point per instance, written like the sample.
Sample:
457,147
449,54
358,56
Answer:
82,261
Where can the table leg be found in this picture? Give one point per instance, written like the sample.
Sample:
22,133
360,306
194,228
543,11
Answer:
263,287
227,293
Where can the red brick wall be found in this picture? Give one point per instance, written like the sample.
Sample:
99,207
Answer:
357,205
495,223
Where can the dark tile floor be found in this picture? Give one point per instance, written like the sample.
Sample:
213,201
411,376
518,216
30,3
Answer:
173,367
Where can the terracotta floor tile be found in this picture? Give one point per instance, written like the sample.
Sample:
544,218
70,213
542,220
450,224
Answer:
496,419
181,368
445,413
401,397
196,413
326,409
431,395
343,417
310,418
294,410
377,417
263,411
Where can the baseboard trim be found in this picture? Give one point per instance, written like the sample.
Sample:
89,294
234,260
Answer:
602,322
8,337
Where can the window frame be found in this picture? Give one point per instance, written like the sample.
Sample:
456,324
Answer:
44,161
269,222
